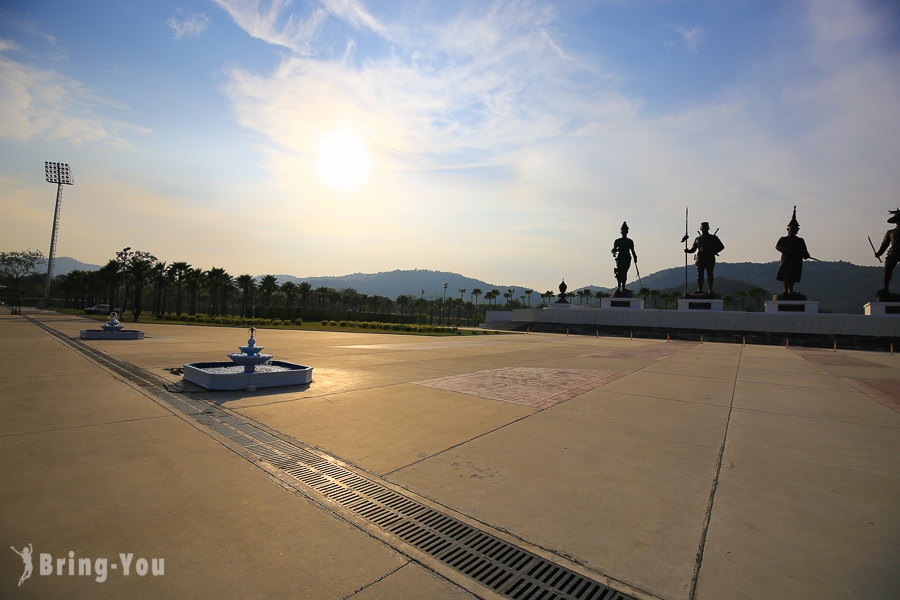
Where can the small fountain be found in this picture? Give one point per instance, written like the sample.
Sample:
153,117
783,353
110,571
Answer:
247,370
112,330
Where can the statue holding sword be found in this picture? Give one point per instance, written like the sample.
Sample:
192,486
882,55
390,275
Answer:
890,244
623,251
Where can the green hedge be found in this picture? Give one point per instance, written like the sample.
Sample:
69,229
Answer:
320,314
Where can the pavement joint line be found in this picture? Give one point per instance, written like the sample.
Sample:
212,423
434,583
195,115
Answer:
692,594
784,414
371,583
86,425
478,558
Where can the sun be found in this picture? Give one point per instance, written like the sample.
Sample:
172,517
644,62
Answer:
343,159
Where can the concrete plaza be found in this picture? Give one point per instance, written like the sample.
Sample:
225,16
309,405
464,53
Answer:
668,470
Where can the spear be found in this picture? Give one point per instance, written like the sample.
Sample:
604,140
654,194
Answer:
685,239
874,250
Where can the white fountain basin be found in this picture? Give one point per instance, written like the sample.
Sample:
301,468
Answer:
230,376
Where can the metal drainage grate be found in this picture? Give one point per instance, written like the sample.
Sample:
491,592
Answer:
503,567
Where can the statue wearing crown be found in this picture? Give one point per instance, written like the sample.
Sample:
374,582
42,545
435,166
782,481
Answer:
793,253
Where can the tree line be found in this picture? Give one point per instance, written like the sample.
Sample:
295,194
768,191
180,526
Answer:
137,282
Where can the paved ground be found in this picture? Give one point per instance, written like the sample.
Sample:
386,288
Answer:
672,470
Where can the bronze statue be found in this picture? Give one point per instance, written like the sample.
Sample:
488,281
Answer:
622,251
793,253
891,243
707,245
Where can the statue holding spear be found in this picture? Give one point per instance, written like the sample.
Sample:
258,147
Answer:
707,246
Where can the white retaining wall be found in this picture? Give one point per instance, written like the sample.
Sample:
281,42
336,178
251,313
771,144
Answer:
831,324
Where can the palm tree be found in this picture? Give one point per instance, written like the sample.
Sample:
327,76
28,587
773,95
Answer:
655,294
214,280
289,288
161,280
109,275
140,271
179,271
402,300
226,283
321,294
247,283
511,292
492,295
757,292
741,295
643,293
476,292
268,286
195,279
304,290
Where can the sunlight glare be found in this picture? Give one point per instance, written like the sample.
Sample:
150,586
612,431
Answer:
343,159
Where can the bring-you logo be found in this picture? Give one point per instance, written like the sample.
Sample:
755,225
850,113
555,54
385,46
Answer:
98,568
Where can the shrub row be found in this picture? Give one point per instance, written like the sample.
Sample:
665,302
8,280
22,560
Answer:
391,326
256,322
320,314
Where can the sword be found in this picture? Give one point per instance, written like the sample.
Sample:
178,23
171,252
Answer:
638,274
874,250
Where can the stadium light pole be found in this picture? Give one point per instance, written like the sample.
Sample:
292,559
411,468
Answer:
59,174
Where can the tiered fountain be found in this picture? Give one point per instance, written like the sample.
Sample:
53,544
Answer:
112,330
247,370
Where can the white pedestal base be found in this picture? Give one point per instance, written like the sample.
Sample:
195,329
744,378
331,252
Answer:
701,305
809,307
622,303
881,309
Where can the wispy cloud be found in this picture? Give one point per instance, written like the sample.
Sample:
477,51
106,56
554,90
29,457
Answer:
689,37
42,103
188,28
272,21
454,92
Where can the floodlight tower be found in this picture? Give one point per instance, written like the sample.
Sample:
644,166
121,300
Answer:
59,174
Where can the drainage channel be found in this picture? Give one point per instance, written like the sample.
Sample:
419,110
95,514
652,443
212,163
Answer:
497,564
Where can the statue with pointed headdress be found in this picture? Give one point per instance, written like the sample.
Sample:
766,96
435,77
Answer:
793,253
622,251
891,244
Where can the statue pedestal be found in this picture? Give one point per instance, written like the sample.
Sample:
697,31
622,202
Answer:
809,307
557,305
622,303
881,309
701,304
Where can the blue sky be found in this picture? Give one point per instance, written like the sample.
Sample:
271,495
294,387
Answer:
502,140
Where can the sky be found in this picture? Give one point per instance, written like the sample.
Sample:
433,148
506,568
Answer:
505,141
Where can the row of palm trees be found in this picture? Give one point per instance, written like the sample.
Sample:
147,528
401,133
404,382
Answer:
138,281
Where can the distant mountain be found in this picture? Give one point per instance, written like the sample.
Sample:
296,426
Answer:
64,265
394,283
840,287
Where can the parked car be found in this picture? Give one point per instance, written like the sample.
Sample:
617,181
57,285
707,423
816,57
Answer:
101,309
